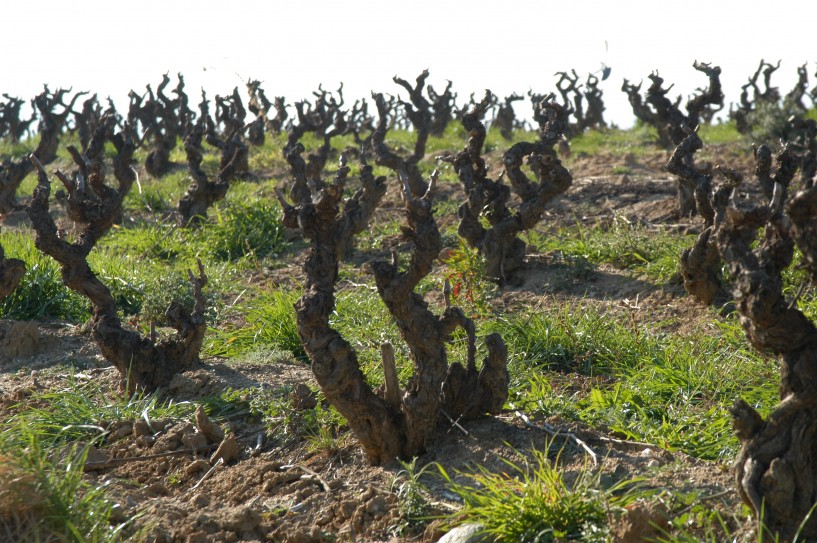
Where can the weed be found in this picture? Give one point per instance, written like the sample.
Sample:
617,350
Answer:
82,410
151,199
643,385
270,322
469,285
41,293
253,229
44,497
410,491
623,244
636,141
720,133
532,502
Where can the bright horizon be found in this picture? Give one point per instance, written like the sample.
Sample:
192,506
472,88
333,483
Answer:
104,48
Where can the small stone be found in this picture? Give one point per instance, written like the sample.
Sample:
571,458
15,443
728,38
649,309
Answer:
303,398
196,466
466,533
228,450
141,428
241,518
208,428
156,489
641,522
96,459
145,441
120,430
195,441
376,506
200,500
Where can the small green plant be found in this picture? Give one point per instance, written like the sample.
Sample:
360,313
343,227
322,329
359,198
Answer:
41,293
270,322
321,428
79,410
161,291
246,229
151,199
410,491
469,286
44,497
532,502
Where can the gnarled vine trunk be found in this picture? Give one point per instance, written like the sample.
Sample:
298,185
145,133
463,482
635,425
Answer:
776,469
12,172
388,429
141,362
11,273
418,111
499,243
203,192
700,264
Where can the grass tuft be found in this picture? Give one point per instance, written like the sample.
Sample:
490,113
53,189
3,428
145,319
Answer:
533,502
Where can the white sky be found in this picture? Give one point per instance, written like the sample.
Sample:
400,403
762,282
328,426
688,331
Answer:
113,46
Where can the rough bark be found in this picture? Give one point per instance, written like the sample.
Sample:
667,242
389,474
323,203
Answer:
418,111
584,100
673,125
573,100
12,125
700,264
181,105
123,162
233,151
93,205
162,120
505,119
793,101
203,192
594,115
499,243
361,122
11,273
12,172
666,116
325,119
259,106
230,113
384,430
641,110
442,107
776,469
706,102
804,133
762,95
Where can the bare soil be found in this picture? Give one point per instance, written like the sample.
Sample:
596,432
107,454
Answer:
281,490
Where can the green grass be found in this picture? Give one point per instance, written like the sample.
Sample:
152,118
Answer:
81,411
51,499
636,141
645,386
246,229
723,133
532,502
41,293
653,252
270,322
